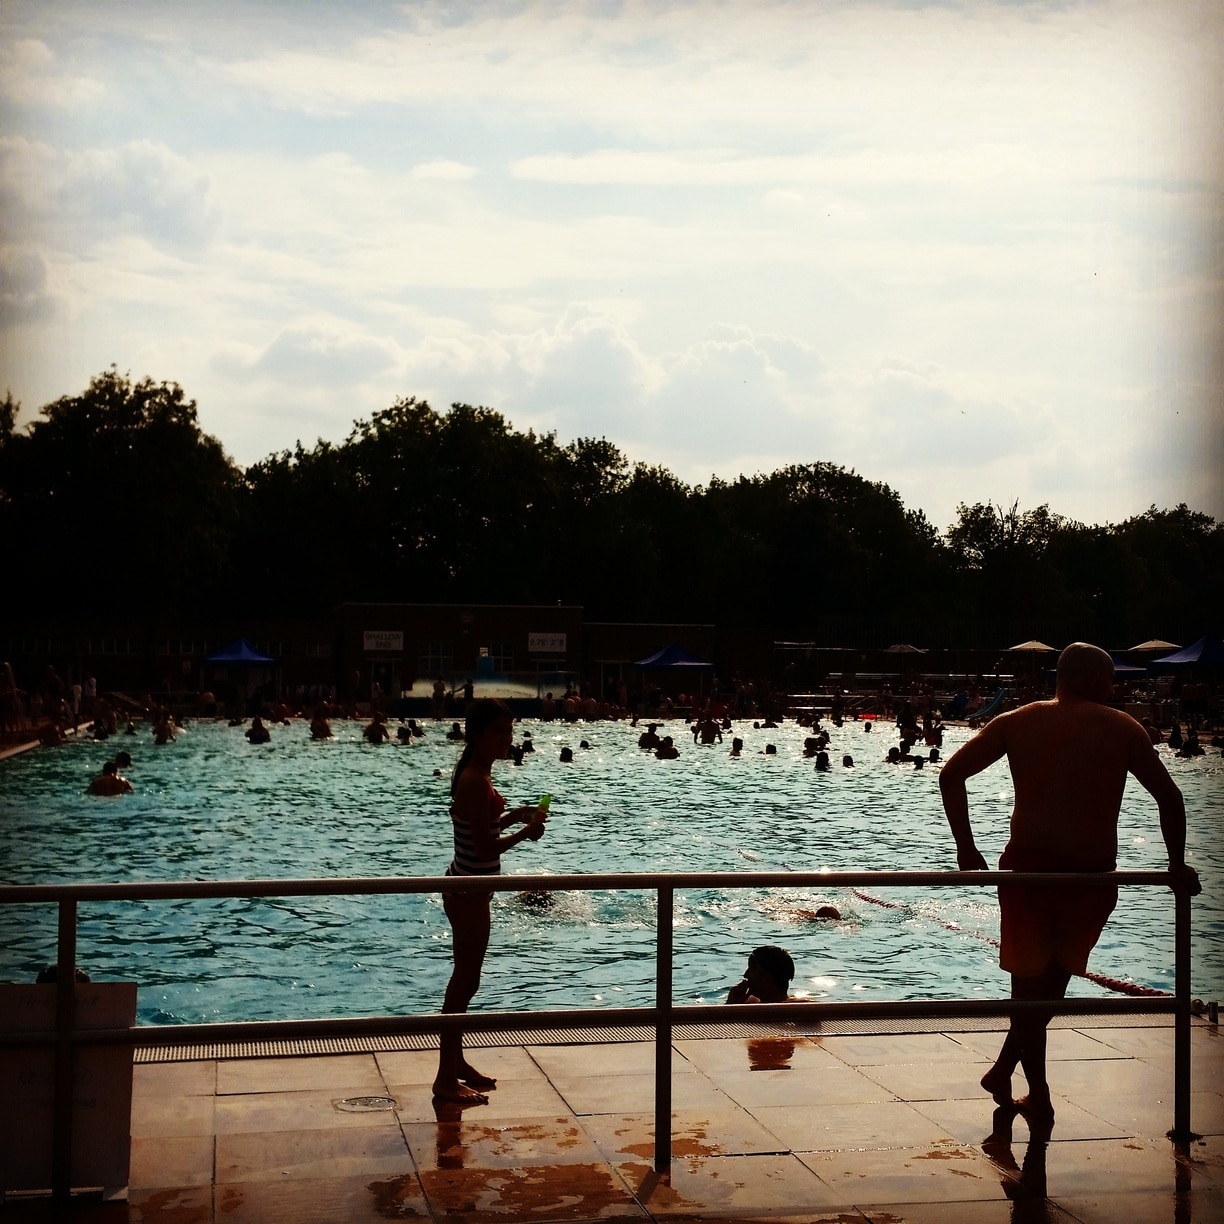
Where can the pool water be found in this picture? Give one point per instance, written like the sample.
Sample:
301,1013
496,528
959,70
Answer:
212,806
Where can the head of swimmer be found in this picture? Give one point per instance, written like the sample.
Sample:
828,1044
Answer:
769,973
1085,672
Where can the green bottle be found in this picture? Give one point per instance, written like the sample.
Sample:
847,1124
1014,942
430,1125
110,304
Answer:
545,800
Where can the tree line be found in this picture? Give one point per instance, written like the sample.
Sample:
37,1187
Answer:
114,502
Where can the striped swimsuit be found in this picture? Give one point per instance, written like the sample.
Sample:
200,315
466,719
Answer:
466,861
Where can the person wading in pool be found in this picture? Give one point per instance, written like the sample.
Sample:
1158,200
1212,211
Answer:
1069,759
479,815
767,978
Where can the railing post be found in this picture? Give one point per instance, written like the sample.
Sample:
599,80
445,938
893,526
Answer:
1181,1016
663,1032
65,1022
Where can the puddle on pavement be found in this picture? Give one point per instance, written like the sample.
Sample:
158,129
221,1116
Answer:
399,1198
543,1192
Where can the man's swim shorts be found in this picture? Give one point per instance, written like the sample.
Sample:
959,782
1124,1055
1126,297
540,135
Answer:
1049,923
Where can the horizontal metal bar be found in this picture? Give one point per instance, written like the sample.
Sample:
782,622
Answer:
786,1015
154,890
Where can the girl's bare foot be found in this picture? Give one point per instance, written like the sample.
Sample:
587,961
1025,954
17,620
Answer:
469,1075
998,1084
1037,1109
459,1093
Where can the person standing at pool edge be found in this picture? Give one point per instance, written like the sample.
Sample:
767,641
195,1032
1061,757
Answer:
1069,759
479,815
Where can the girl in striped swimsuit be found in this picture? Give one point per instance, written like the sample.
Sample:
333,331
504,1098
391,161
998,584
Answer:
479,815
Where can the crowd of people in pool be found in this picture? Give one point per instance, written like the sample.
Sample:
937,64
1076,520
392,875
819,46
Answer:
919,728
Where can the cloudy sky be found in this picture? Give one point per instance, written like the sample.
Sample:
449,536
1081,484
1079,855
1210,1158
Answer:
969,249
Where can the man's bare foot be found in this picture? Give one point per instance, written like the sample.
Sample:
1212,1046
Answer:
458,1093
998,1084
1037,1110
469,1075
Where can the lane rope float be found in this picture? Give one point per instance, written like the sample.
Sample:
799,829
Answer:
1110,983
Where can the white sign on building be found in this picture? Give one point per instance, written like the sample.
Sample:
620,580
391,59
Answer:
383,641
546,643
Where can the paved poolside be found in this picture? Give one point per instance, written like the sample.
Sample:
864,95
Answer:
888,1128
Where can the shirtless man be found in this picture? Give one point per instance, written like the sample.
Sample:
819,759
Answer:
1069,759
110,782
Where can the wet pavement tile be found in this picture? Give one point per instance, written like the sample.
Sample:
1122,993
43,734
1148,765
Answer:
1145,1114
421,1066
973,1121
511,1099
694,1133
929,1081
596,1094
947,1172
171,1160
296,1155
1061,1044
175,1079
361,1199
617,1058
899,1048
158,1116
461,1139
1083,1080
1000,1211
1197,1205
346,1074
285,1111
730,1186
886,1124
836,1084
536,1193
1095,1167
1204,1156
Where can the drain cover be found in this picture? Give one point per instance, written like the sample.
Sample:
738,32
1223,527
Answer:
366,1104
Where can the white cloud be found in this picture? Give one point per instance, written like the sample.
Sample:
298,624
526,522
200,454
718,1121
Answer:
29,77
91,196
323,354
446,171
24,292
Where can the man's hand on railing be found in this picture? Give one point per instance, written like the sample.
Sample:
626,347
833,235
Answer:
1185,879
969,858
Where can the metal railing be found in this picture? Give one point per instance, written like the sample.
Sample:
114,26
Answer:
662,1017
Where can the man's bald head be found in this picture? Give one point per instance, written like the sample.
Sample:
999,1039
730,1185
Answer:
1085,671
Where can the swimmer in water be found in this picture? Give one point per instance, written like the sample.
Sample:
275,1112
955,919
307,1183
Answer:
110,782
767,978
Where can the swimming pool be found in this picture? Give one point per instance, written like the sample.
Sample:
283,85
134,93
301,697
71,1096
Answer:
212,806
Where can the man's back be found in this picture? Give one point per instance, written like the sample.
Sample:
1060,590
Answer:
1069,759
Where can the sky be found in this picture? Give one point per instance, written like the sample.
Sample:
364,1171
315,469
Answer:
972,250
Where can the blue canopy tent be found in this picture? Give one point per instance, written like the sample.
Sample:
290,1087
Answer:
241,654
674,658
1206,652
241,651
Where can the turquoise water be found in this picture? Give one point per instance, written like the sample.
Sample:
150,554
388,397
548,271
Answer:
211,806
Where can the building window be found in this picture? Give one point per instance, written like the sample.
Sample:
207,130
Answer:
318,650
501,655
436,658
